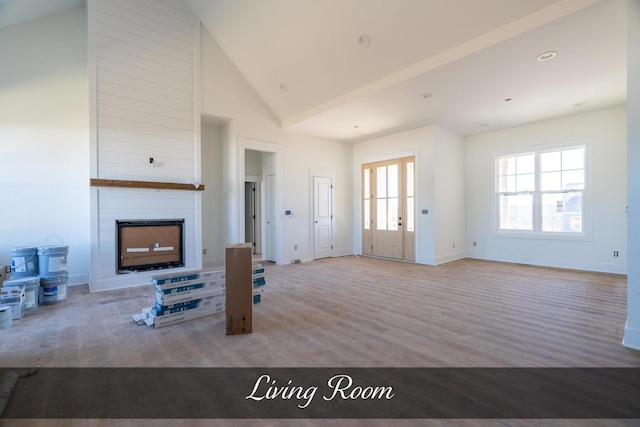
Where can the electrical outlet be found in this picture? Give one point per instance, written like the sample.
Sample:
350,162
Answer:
295,247
204,252
475,244
454,245
615,253
7,269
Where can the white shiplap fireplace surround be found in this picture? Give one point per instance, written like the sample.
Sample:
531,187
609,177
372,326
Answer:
145,125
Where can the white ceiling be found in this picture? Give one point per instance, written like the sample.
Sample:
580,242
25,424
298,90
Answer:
470,55
17,11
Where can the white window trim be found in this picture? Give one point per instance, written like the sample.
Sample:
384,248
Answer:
586,234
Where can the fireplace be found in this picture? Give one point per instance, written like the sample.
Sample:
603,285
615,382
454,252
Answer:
144,245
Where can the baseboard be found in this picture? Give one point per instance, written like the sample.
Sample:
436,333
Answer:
342,252
631,337
558,263
78,279
450,257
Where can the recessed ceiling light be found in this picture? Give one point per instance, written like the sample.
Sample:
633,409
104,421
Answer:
284,88
546,56
364,40
507,99
426,95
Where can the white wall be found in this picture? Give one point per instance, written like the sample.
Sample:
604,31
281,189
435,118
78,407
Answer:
228,95
44,137
632,328
213,213
421,144
606,174
144,91
439,188
450,196
253,162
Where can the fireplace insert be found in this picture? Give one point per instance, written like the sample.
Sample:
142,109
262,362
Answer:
149,244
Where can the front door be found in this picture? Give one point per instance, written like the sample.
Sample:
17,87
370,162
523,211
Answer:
388,204
387,221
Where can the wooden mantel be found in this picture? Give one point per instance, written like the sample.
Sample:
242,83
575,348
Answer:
95,182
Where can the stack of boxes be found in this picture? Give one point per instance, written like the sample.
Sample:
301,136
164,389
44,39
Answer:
185,296
27,288
190,295
14,297
17,295
258,282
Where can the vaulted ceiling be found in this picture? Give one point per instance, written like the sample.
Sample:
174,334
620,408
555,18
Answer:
466,65
357,69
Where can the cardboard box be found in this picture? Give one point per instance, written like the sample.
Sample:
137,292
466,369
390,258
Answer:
216,300
257,294
170,319
14,296
168,281
239,289
211,285
169,299
6,316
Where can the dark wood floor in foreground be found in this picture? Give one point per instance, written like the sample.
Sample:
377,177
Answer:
351,312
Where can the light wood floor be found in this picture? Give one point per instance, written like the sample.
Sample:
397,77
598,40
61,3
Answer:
351,312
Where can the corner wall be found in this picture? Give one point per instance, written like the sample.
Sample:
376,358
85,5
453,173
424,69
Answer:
450,196
226,94
439,187
605,132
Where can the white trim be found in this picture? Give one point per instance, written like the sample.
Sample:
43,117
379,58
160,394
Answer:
573,264
449,257
252,178
198,140
331,176
631,337
587,213
357,188
92,71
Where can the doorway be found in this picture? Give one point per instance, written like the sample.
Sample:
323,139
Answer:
388,208
261,162
252,208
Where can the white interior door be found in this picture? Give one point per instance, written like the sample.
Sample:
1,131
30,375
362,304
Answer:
271,217
322,217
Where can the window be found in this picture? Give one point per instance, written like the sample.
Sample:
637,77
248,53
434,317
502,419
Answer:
541,191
